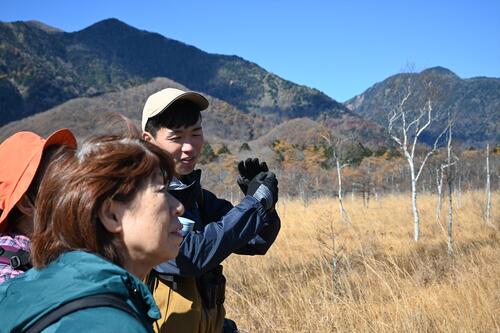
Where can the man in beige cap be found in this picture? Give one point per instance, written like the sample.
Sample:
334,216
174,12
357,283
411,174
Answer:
190,289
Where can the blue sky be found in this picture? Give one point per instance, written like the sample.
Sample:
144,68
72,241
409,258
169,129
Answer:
339,47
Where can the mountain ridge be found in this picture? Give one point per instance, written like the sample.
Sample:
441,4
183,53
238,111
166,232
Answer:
89,115
111,55
42,67
474,103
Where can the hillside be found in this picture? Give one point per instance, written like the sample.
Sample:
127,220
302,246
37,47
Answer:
305,131
474,103
41,67
90,115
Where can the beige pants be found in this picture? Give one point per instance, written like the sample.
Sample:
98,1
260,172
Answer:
182,310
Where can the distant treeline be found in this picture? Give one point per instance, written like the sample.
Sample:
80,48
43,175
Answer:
310,171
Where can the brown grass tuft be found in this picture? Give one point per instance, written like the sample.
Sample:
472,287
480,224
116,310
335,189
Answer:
323,275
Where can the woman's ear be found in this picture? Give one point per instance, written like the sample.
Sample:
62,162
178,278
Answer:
26,206
109,216
23,223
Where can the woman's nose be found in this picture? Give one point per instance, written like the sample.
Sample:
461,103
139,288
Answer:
177,206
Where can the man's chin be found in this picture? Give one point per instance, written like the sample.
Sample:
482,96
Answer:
183,171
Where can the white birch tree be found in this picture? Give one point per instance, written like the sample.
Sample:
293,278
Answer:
405,127
439,186
343,213
335,146
488,185
450,177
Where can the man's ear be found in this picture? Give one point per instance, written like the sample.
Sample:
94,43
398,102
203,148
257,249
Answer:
109,216
146,136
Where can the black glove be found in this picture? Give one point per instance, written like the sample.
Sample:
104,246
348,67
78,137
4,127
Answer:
248,170
264,187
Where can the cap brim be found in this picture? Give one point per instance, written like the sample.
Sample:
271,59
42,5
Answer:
191,96
61,137
194,97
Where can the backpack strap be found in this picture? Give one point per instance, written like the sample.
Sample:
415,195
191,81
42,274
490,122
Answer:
16,258
151,280
103,300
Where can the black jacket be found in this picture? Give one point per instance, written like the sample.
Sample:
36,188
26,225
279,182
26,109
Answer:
220,229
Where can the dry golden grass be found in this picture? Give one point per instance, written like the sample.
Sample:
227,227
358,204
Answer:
323,275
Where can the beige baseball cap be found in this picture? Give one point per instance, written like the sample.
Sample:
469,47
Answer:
161,100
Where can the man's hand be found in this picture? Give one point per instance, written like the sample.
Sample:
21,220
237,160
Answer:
248,169
264,188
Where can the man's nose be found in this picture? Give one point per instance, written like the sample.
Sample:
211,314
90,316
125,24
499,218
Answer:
187,146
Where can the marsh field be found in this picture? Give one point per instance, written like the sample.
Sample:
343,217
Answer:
369,275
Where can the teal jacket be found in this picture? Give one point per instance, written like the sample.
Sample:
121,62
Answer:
75,274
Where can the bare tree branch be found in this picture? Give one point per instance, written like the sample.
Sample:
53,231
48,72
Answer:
406,135
434,148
